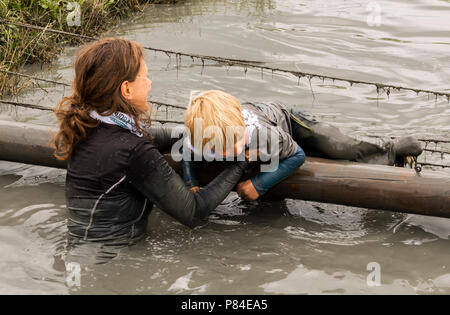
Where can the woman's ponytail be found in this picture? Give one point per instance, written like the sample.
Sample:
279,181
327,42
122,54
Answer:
74,125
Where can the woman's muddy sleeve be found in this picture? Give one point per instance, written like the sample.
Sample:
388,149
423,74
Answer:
150,173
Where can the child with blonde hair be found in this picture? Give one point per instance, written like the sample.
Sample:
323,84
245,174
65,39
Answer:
215,115
221,127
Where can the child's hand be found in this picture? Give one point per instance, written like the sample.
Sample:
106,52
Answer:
194,189
247,191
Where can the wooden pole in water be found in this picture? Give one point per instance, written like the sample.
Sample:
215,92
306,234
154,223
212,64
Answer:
346,183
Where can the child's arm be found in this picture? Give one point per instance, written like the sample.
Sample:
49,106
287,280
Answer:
265,180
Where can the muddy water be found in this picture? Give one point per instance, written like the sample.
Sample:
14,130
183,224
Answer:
288,246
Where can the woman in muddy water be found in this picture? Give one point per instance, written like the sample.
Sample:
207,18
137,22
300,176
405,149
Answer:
115,173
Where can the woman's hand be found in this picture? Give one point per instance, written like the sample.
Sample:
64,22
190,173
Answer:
251,155
194,189
247,191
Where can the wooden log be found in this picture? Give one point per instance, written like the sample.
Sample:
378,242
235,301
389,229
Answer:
339,182
26,143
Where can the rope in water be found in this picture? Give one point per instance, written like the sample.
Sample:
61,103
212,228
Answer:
32,78
45,108
158,104
251,64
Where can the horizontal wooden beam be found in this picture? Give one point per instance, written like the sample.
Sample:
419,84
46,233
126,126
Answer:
338,182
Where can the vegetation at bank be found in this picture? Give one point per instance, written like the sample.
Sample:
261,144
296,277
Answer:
20,45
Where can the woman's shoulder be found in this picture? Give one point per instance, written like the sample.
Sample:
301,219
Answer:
107,141
109,148
117,136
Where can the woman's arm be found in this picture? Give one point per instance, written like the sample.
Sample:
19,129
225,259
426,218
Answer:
150,173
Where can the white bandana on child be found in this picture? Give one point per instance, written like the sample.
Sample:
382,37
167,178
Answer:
118,118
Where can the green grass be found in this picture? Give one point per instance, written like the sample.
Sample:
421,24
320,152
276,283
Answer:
19,46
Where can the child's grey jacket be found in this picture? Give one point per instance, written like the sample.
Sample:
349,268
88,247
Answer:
267,122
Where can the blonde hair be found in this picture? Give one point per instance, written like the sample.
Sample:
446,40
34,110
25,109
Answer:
218,111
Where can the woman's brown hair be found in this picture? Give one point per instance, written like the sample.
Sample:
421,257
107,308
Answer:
100,69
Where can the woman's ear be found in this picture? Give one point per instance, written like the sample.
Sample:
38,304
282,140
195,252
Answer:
125,89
